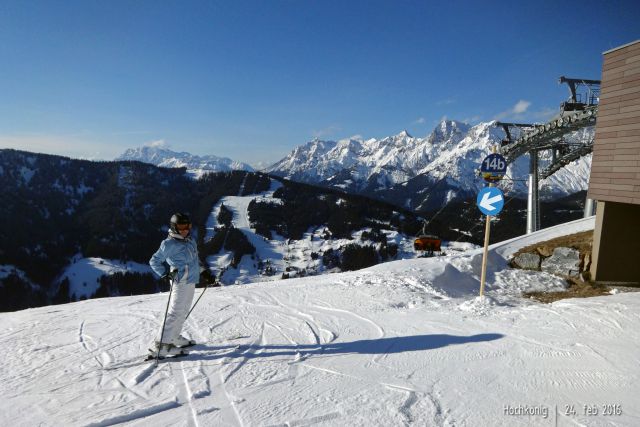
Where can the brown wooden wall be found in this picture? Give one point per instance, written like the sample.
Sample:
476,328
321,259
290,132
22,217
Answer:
615,171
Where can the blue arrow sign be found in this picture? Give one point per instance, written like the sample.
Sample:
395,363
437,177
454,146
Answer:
490,201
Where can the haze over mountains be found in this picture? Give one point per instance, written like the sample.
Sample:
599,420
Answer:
164,157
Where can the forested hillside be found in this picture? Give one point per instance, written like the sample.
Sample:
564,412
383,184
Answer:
57,209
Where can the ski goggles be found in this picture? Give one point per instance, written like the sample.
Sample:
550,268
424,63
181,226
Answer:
183,227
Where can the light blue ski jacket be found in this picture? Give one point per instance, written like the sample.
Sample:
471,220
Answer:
181,255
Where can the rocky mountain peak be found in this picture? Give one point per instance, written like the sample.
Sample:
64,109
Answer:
403,134
448,130
448,157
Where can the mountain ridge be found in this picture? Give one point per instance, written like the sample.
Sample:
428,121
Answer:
196,165
416,173
445,162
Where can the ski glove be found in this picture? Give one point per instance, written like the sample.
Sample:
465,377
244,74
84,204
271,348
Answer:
207,277
170,275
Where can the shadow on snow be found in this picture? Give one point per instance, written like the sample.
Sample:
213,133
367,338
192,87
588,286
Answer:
389,345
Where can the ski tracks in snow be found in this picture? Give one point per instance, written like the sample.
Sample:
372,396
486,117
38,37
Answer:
299,354
310,352
317,359
236,388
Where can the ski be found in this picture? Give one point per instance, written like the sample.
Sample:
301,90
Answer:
151,357
229,349
222,348
237,337
191,344
222,352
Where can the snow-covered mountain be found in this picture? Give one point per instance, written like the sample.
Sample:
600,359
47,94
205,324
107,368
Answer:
444,164
196,165
403,343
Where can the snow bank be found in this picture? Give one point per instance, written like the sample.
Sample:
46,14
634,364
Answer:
507,248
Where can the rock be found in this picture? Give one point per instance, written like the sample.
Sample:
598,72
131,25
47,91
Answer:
527,261
563,262
544,251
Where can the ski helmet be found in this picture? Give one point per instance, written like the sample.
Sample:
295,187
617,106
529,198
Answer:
179,219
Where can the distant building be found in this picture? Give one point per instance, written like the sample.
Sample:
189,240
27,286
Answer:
615,170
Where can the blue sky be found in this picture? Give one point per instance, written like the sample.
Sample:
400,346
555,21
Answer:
251,80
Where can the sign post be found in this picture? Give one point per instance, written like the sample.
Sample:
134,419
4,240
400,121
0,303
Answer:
490,201
483,275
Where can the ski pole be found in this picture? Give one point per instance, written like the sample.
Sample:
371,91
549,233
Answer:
164,321
194,304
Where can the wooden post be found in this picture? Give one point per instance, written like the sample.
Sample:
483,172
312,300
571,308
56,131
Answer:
483,275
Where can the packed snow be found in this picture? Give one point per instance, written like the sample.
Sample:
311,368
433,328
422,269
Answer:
402,343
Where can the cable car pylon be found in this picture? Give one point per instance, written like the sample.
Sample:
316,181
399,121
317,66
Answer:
576,113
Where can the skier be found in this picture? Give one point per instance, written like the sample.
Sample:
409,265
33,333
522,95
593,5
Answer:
180,253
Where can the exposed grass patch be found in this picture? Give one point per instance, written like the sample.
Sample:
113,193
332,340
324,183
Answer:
577,289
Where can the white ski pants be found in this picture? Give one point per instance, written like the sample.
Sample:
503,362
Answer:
179,305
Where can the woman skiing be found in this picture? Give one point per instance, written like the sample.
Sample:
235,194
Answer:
180,253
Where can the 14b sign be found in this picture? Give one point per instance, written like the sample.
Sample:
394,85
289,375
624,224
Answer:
493,167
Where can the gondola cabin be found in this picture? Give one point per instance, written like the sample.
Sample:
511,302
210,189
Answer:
427,242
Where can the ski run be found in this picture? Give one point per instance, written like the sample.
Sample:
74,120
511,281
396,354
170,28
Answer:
285,255
402,343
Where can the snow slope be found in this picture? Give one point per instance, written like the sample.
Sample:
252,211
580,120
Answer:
84,273
286,255
405,342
